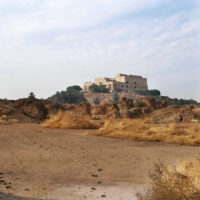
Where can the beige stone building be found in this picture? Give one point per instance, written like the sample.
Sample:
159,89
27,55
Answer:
123,82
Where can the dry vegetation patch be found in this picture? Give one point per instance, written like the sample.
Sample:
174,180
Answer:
70,120
137,129
181,182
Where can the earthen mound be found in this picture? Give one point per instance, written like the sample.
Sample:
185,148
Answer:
134,113
9,114
149,102
33,108
124,106
54,108
130,108
105,111
83,108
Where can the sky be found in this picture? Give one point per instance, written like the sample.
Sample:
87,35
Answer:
48,45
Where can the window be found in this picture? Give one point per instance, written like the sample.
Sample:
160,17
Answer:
135,82
122,86
127,86
126,81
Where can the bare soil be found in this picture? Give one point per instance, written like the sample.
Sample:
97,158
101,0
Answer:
44,163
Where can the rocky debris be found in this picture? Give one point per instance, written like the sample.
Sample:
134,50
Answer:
124,105
149,102
9,115
189,113
94,175
54,108
130,108
83,108
163,104
105,111
93,188
134,112
68,107
146,110
33,108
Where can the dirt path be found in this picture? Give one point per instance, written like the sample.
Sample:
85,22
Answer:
60,164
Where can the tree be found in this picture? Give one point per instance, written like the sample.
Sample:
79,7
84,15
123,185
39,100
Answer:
96,101
98,88
74,88
177,101
31,95
115,98
72,95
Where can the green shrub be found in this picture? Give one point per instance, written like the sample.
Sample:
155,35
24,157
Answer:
115,98
96,101
148,92
180,102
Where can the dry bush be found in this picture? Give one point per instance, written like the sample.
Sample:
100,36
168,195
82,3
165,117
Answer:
71,121
177,183
137,129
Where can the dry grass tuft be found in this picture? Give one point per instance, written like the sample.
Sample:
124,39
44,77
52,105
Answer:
70,120
174,183
135,129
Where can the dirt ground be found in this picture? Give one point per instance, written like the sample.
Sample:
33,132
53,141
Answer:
42,163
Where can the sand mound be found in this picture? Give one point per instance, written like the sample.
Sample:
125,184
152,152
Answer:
70,120
135,129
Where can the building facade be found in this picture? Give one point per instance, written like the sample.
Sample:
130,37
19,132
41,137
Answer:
122,82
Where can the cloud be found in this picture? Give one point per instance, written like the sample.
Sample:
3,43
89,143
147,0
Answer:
47,45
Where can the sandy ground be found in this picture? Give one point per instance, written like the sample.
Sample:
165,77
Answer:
43,163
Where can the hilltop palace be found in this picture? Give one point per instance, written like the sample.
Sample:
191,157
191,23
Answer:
121,82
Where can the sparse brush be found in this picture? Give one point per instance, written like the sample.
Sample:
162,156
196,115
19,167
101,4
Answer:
137,129
173,183
70,121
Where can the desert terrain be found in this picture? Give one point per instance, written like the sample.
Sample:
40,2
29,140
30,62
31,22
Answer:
73,152
64,164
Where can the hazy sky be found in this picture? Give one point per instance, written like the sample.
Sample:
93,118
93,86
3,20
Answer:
47,45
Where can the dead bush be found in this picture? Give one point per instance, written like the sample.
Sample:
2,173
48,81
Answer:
172,183
70,120
137,129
